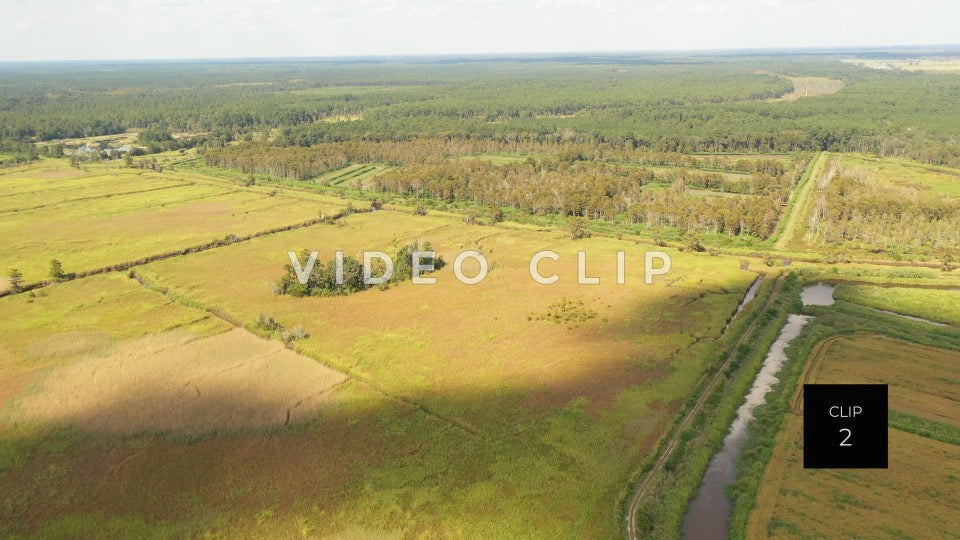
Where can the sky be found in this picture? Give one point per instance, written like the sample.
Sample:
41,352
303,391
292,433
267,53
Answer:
151,29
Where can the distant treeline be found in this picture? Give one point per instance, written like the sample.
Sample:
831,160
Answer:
695,105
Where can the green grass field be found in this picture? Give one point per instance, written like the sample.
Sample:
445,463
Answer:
943,181
932,304
88,219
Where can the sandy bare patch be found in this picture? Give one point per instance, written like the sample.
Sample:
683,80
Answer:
174,382
810,87
336,118
54,174
4,284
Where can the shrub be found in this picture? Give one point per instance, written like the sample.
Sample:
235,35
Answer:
56,269
16,279
578,228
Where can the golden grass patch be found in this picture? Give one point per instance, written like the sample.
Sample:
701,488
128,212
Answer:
174,382
68,346
810,87
916,497
443,343
923,381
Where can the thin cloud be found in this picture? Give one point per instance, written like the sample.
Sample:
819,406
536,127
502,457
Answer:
97,29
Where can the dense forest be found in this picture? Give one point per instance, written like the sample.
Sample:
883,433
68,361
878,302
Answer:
673,104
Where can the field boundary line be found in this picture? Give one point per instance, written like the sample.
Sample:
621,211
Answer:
674,439
219,314
93,197
119,267
812,360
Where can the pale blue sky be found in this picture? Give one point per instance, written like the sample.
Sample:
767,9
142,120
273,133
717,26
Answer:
98,29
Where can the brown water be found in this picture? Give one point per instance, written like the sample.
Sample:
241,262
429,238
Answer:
751,294
709,512
820,294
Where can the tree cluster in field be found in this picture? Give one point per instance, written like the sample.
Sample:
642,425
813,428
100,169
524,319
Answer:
13,152
322,281
161,140
851,206
273,326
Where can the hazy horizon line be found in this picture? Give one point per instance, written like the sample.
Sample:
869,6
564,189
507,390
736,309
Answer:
945,48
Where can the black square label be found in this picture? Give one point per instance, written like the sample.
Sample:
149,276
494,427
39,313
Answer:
845,426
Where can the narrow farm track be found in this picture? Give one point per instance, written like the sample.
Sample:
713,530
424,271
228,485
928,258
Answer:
674,440
791,203
813,360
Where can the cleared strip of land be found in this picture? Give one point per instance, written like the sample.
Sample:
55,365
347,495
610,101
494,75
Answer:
798,207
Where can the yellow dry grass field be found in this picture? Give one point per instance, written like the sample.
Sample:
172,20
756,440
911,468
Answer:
465,383
332,119
916,497
443,343
114,359
20,193
923,380
105,228
932,65
804,87
174,382
80,320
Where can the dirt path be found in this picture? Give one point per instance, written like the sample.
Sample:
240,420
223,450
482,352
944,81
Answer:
674,440
803,196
